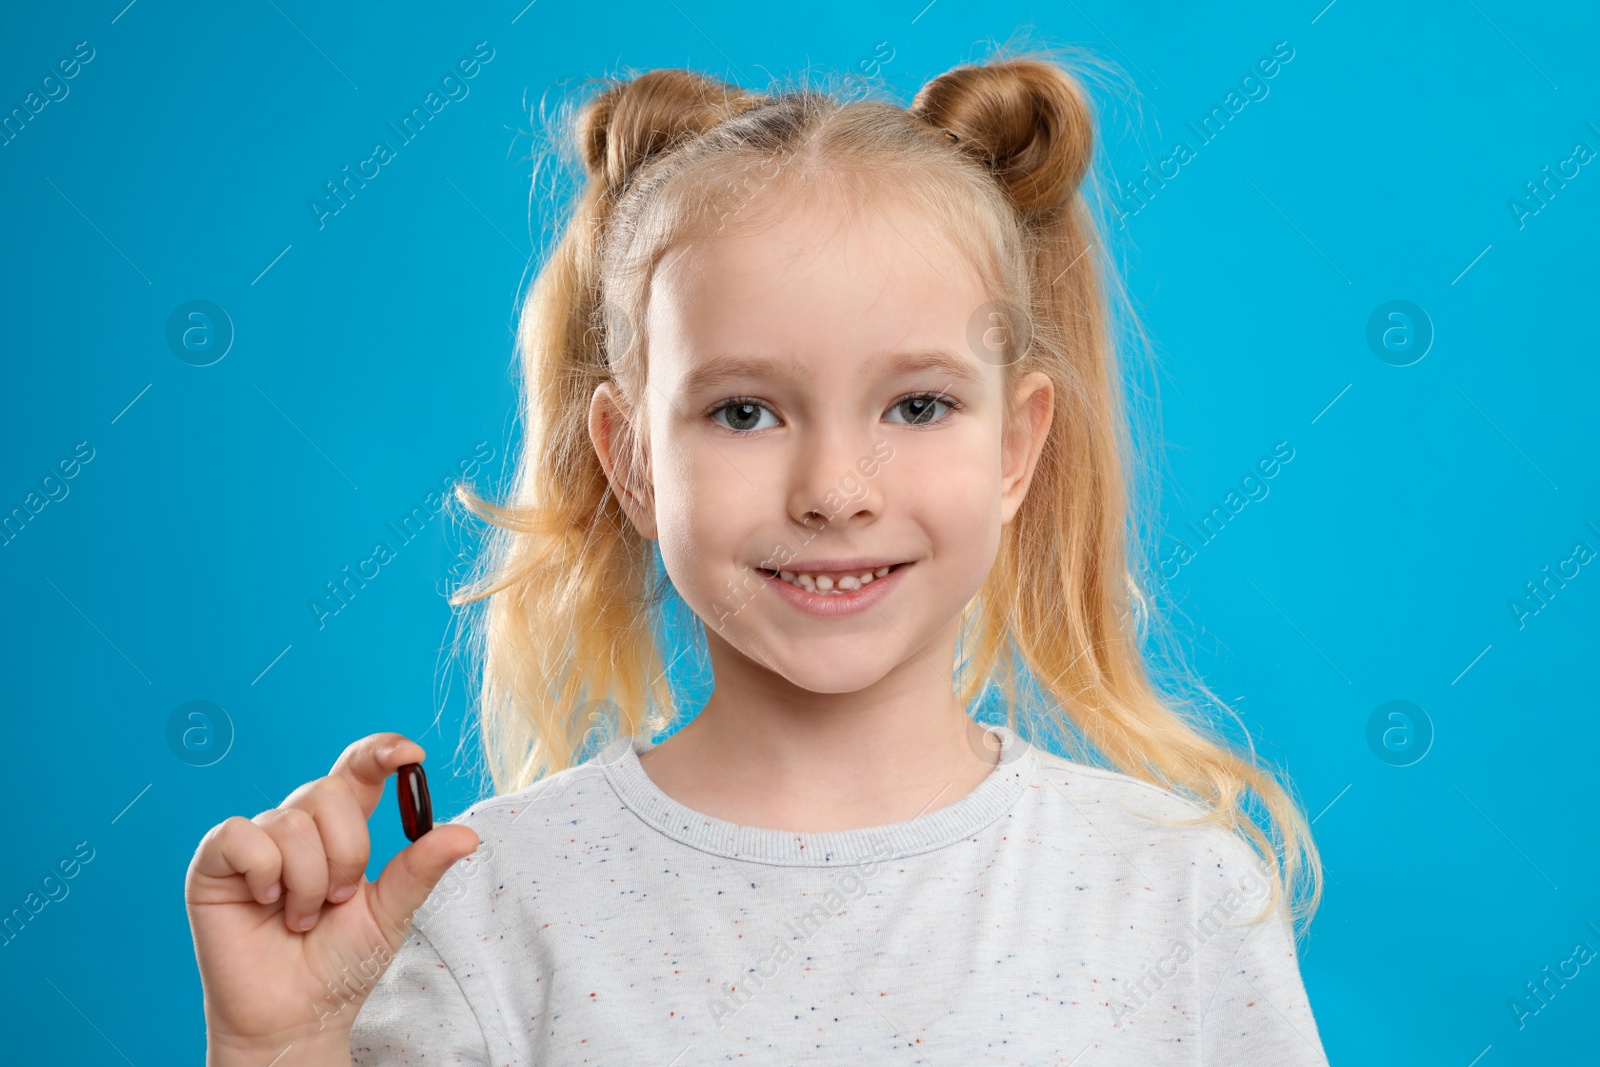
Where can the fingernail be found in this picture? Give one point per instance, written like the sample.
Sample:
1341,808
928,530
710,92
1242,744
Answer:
342,894
306,922
273,891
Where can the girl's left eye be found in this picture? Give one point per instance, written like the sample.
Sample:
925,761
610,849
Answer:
919,406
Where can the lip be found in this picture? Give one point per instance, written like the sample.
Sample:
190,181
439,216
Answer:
856,565
833,605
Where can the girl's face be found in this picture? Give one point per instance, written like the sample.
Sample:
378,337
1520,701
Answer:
813,397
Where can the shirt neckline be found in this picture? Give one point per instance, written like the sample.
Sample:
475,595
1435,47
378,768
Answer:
1000,789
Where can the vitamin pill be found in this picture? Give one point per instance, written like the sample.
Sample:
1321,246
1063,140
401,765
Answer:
416,808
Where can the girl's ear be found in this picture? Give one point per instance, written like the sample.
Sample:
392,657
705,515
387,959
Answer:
1034,404
612,435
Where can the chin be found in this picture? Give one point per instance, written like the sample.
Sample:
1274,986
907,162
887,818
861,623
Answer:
821,670
832,684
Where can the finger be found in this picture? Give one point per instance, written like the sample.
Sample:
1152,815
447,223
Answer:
368,763
342,826
305,864
409,877
236,847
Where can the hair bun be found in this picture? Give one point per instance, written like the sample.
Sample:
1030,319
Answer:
1027,120
622,128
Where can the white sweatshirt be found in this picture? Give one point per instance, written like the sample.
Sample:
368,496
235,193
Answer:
1041,919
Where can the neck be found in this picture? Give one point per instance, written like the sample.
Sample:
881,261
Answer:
766,753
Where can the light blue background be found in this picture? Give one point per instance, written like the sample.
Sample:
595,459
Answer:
373,354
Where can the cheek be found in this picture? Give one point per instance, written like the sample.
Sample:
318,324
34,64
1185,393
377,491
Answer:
964,465
964,514
700,499
954,487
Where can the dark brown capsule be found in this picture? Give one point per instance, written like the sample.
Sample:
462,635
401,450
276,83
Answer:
416,808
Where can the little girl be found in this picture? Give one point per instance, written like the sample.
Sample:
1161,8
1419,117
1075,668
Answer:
847,367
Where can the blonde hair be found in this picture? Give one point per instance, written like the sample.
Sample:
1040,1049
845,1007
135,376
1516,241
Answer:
999,153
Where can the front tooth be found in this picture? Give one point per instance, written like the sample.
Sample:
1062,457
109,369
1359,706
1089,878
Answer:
823,583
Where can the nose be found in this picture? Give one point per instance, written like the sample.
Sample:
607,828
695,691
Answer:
837,476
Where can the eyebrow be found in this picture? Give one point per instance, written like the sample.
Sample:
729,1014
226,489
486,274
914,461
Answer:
719,370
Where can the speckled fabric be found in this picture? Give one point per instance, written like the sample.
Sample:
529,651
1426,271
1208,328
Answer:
1047,917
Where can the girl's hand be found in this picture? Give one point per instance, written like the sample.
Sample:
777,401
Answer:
289,934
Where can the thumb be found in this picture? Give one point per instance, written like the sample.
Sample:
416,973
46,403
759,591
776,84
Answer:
409,878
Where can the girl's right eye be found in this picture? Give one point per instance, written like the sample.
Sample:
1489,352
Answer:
744,415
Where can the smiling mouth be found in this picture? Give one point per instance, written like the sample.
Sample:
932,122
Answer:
832,583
